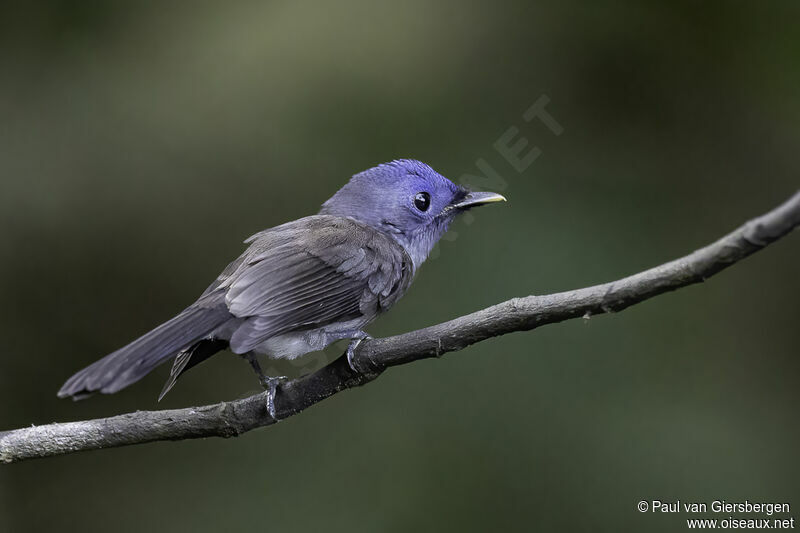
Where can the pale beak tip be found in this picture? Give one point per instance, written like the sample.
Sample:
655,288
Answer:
478,198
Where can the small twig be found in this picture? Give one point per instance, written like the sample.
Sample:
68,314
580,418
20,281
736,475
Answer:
229,419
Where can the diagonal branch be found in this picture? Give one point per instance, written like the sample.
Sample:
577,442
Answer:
229,419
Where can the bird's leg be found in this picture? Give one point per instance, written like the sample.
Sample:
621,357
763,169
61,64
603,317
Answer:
269,383
355,365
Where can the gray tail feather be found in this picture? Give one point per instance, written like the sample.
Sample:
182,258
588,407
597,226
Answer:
132,362
189,358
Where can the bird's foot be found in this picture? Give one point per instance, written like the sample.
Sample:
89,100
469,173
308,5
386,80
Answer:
270,385
356,364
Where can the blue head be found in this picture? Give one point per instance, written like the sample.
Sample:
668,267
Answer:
406,199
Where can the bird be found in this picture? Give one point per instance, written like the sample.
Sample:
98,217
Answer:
302,285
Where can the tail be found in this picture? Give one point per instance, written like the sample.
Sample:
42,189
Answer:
132,362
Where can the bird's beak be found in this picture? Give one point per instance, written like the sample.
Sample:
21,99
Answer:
478,198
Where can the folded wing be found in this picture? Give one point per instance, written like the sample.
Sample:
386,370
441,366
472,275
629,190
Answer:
311,273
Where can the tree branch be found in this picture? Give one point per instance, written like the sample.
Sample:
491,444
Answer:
229,419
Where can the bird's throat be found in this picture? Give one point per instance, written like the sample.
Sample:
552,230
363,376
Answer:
418,244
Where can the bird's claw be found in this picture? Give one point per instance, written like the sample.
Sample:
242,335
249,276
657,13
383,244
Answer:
356,365
270,385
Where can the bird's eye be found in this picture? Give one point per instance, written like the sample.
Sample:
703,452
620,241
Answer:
422,201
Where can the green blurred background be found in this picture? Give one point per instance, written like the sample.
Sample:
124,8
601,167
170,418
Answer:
140,143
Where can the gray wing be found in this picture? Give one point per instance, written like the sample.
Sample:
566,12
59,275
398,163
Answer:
311,273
